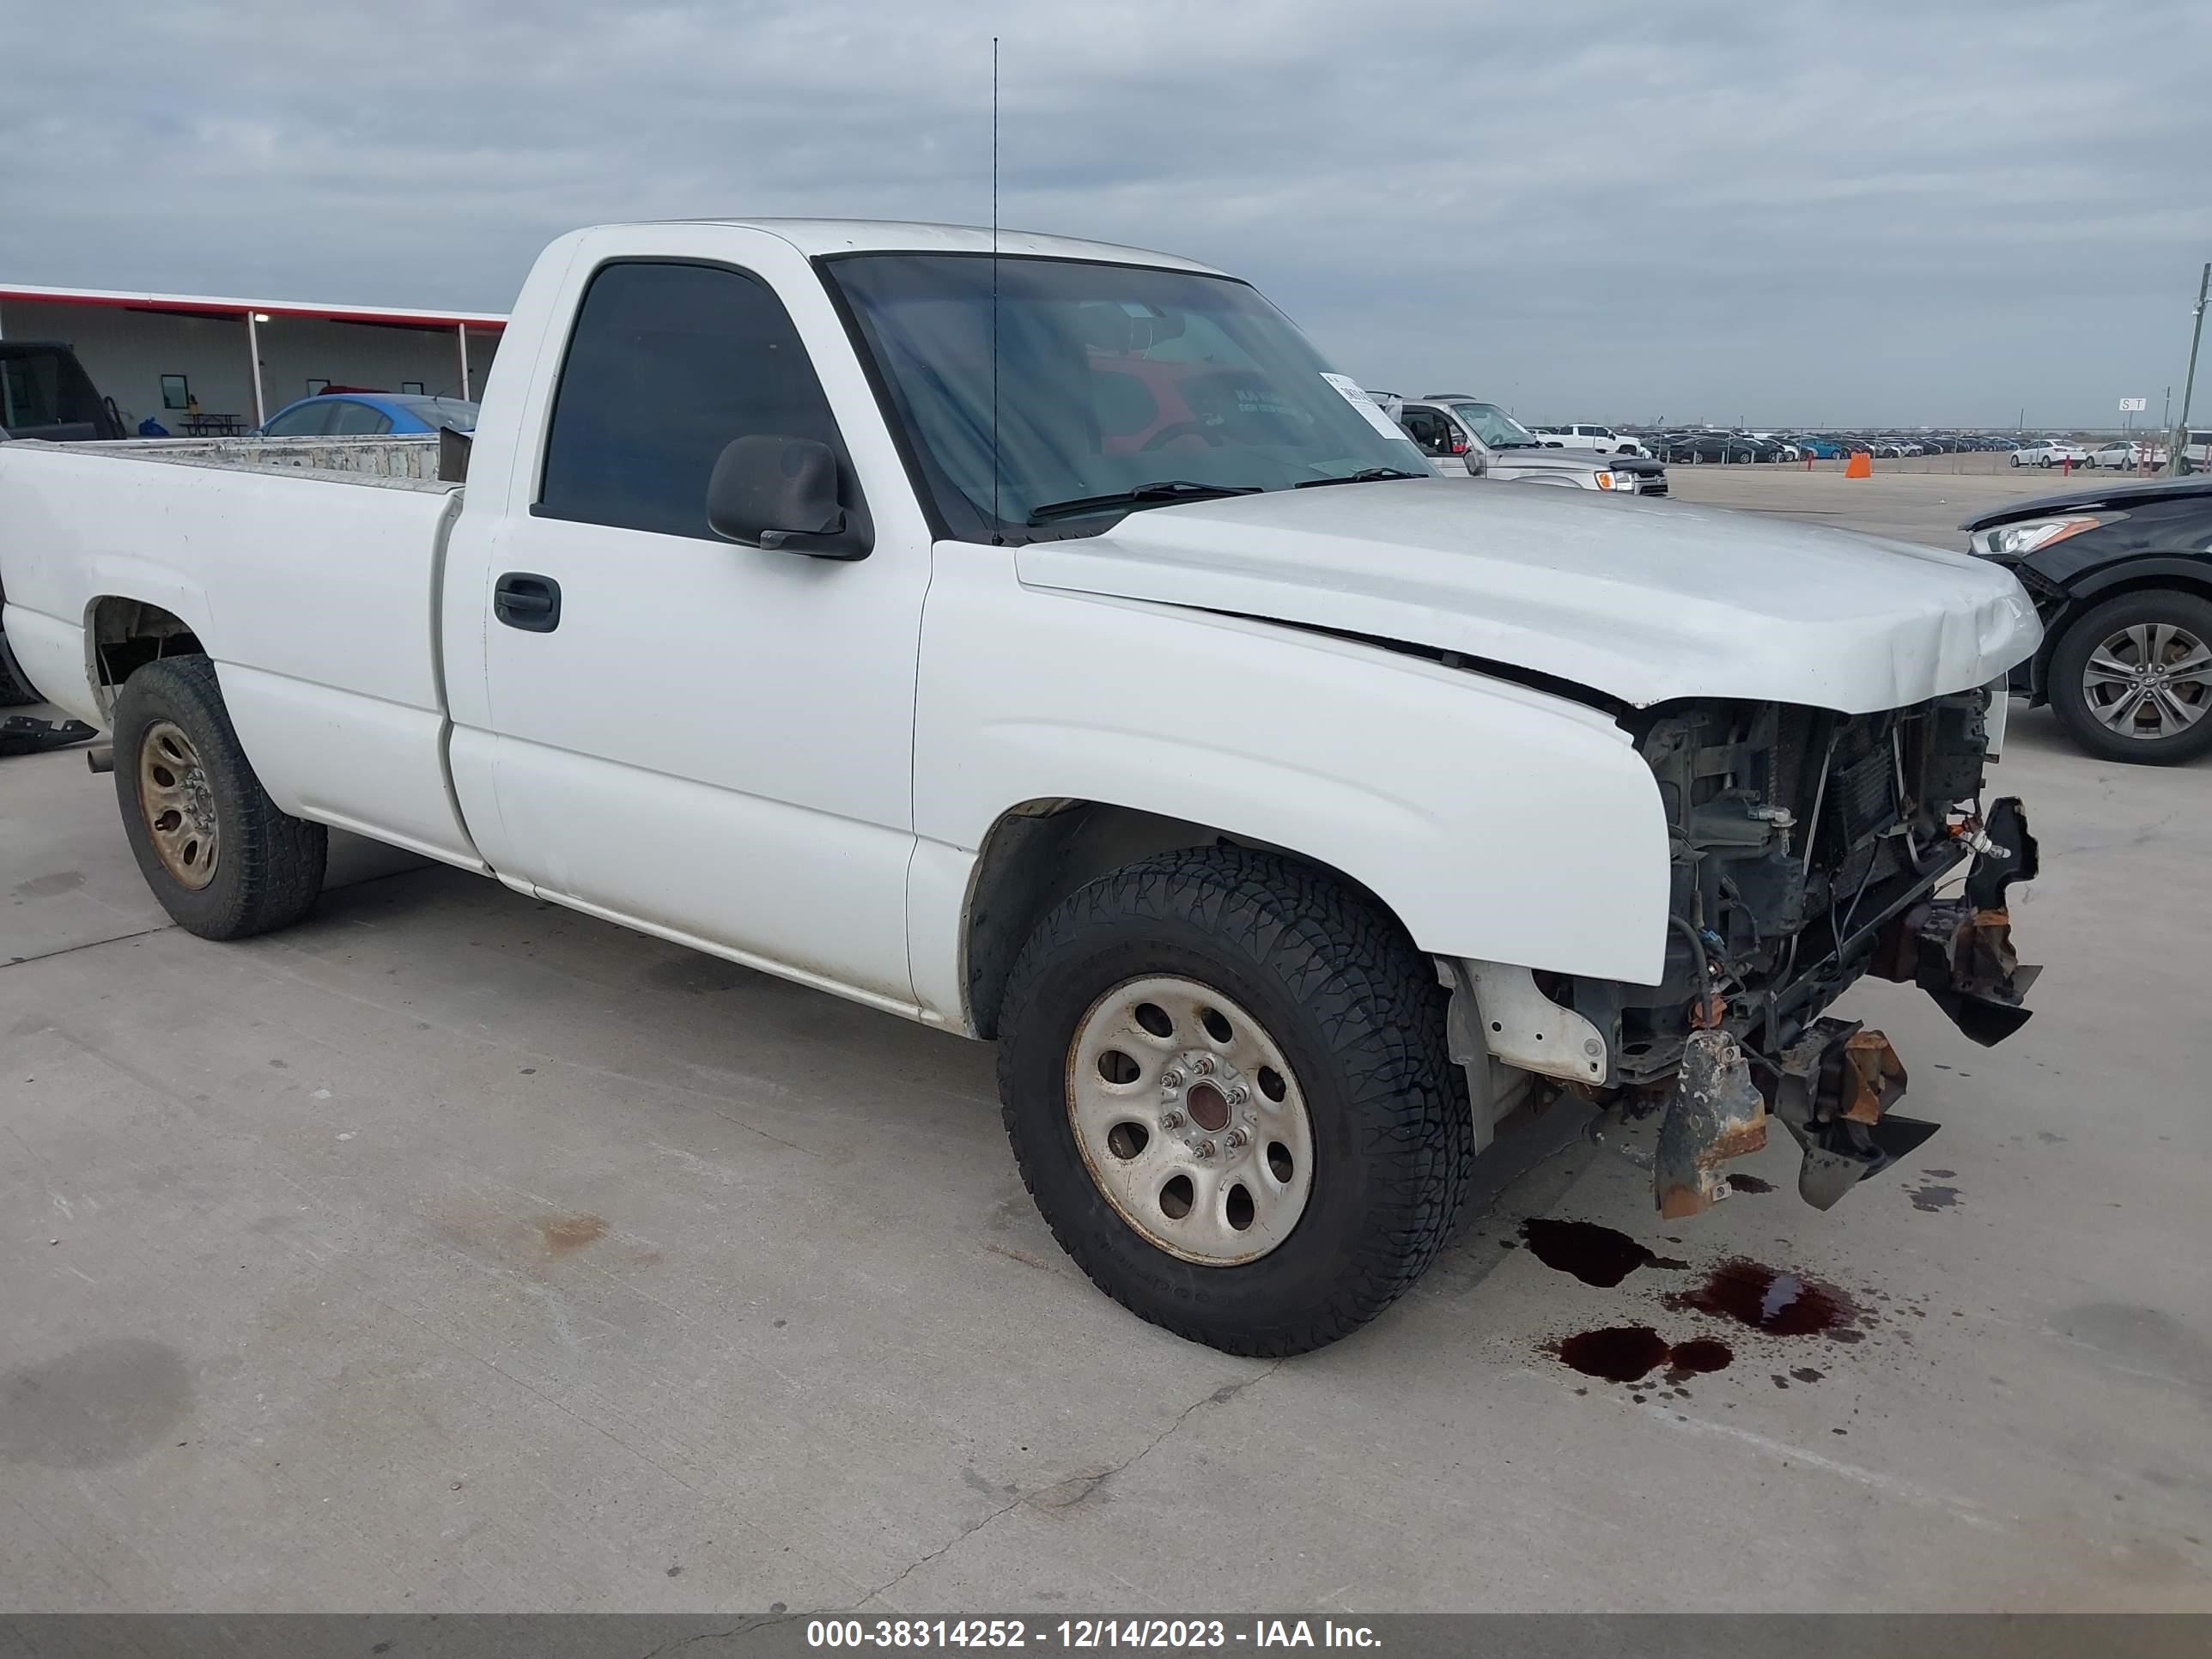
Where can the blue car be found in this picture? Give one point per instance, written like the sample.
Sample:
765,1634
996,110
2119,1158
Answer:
1825,449
368,414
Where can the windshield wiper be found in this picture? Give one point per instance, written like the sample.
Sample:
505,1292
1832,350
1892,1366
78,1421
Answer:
1365,475
1165,490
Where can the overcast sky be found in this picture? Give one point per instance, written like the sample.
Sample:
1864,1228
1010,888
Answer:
1762,209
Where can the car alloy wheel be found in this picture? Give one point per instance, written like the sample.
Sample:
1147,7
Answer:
2148,681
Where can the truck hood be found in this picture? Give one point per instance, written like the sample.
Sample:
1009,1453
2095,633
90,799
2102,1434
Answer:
1642,600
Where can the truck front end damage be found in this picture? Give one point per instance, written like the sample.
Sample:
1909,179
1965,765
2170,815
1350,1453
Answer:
1808,848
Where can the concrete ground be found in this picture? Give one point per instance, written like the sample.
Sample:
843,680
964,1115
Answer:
1919,499
453,1251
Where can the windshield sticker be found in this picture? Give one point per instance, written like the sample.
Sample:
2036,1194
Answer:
1370,411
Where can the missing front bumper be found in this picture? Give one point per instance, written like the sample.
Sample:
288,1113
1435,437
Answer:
1833,1088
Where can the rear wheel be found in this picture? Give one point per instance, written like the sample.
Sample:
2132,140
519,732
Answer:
224,859
1225,1079
2132,678
14,692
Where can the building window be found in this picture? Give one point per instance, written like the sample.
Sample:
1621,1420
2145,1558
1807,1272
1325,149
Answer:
414,386
176,392
316,388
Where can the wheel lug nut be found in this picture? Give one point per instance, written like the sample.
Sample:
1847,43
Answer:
1171,1119
1233,1140
1204,1149
1238,1094
1172,1078
1203,1065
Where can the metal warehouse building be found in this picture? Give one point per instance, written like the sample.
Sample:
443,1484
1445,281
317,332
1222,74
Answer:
198,364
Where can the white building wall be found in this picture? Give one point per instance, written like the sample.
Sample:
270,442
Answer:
295,349
126,353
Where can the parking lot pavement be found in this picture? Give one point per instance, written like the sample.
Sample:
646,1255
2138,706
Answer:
456,1251
1916,499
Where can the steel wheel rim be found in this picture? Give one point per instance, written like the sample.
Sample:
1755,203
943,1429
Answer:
178,804
2147,681
1190,1121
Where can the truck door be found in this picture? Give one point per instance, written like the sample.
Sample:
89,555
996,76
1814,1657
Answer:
710,740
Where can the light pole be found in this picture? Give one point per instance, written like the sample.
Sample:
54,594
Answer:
2175,457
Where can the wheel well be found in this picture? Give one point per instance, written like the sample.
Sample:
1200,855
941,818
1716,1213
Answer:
126,634
1040,852
2078,607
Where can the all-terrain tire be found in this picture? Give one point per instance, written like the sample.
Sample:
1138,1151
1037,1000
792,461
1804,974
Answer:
2092,628
1356,1009
269,870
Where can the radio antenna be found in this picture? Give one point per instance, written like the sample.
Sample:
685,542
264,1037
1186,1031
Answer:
998,516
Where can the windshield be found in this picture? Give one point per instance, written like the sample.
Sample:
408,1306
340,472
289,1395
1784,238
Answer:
1495,428
1109,380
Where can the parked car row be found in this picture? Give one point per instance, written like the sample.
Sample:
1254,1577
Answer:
1714,444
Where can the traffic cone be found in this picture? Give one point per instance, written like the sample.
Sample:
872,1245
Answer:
1860,464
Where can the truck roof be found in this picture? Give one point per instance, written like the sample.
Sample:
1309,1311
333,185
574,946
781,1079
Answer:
815,237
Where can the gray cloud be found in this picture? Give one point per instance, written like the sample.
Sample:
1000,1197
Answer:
1785,212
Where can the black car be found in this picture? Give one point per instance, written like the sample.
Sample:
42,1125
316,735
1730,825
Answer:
1726,448
2122,577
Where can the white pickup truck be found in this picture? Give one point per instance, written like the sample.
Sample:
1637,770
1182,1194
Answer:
1037,640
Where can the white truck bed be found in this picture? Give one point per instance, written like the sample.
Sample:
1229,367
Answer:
328,648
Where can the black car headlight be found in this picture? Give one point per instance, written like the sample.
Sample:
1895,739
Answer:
2017,540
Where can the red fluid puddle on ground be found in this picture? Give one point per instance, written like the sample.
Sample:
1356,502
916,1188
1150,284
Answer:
1596,1255
1621,1354
1697,1357
1628,1353
1767,1299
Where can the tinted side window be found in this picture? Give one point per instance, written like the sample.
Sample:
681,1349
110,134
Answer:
304,421
668,364
352,420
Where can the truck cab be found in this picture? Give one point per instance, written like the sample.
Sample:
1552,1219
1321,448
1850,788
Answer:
46,393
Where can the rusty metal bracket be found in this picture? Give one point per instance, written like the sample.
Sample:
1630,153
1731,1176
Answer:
1873,1078
1833,1090
1715,1113
1963,957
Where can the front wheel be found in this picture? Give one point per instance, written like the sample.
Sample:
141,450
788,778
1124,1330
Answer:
1225,1079
2132,678
224,859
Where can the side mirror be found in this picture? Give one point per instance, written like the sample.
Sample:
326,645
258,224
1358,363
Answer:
782,493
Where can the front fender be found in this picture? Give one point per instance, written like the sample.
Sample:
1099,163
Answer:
1497,822
2192,570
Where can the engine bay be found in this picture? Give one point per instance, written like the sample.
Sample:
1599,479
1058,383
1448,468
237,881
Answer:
1807,850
